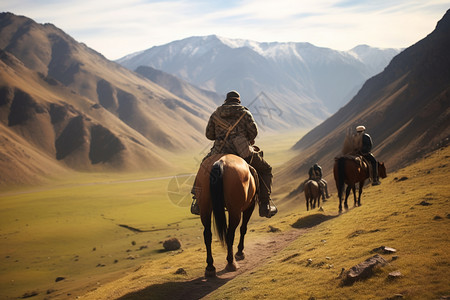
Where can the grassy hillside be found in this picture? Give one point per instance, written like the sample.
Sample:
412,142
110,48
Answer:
72,229
410,212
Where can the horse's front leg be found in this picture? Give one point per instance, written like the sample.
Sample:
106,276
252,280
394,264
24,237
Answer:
210,270
245,218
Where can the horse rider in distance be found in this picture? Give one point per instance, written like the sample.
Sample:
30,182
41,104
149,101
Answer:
233,130
315,173
365,150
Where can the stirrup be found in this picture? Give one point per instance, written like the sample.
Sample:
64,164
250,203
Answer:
268,210
195,209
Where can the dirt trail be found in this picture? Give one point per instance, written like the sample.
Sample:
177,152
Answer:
257,252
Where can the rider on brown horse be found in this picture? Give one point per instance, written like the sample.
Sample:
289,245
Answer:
233,130
365,150
315,173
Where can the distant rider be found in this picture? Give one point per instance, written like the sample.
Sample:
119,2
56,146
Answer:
233,130
315,173
365,150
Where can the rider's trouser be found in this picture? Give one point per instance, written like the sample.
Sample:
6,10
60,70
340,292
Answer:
265,176
369,156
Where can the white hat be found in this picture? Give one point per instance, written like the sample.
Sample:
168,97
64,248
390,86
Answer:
360,128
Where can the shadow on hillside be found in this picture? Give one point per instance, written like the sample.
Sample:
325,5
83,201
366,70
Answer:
194,289
312,220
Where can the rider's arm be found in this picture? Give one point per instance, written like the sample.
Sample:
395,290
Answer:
211,129
251,128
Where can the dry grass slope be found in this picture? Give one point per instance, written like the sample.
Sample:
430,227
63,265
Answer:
410,212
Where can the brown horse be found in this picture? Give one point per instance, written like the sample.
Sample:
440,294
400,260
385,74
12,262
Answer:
225,181
312,194
348,170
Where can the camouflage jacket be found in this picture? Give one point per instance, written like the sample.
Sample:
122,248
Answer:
222,120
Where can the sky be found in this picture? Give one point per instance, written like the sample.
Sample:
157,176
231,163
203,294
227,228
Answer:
117,28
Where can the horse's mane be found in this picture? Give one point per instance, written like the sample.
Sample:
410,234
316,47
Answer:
352,143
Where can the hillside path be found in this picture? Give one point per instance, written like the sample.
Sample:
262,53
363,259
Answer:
257,253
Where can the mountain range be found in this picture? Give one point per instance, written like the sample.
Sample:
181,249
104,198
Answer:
301,84
64,106
405,109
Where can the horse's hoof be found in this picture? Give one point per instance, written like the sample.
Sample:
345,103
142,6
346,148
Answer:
231,267
210,272
239,256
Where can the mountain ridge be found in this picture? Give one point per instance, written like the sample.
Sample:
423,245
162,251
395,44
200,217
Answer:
295,74
404,108
84,112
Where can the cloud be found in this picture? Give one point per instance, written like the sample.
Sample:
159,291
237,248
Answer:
117,27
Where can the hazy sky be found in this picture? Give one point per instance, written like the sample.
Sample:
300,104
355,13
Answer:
116,28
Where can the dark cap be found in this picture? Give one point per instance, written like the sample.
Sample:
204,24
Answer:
233,95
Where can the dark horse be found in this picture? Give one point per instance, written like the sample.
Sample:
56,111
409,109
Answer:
351,170
225,181
312,194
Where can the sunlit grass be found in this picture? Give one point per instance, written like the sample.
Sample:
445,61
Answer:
69,226
68,229
392,215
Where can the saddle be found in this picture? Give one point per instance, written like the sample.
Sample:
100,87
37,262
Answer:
360,160
256,177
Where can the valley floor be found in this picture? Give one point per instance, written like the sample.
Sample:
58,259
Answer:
295,255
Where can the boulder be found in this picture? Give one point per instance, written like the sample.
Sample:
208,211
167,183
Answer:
363,270
394,275
172,244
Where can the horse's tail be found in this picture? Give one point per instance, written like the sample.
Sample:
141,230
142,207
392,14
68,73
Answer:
341,176
217,198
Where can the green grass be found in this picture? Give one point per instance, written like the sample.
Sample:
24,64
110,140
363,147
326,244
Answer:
69,227
53,232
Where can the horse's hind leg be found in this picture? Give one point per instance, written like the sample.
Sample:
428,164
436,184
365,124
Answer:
245,218
347,193
233,223
361,184
207,236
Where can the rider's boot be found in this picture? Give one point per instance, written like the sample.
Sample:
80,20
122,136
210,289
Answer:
375,180
325,186
195,209
266,208
264,170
